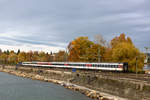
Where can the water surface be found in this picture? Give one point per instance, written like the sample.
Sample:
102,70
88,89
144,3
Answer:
18,88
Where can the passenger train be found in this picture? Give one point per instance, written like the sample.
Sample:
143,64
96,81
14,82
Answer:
120,67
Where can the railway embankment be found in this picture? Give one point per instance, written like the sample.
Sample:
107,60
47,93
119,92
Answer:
96,86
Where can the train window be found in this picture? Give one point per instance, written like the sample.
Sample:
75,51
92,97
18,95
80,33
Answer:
108,66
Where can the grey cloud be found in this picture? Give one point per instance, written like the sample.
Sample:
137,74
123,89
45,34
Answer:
56,23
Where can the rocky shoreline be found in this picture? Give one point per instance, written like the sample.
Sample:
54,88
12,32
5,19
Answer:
96,95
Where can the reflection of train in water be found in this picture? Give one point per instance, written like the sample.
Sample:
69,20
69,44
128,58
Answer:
121,67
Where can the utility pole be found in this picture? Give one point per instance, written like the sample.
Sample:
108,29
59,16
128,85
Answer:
66,55
136,66
99,54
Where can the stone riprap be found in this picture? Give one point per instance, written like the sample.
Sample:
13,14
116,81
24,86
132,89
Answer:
96,87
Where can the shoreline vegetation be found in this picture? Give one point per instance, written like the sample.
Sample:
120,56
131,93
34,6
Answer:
86,91
81,49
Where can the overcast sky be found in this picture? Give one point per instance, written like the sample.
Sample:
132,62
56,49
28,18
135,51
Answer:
49,25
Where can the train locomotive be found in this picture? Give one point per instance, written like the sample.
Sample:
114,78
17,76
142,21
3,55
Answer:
118,67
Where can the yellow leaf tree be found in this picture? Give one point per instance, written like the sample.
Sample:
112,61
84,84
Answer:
22,57
123,50
12,58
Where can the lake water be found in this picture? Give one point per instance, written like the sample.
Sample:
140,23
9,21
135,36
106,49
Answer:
18,88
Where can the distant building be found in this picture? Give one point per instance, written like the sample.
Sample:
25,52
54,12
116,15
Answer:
147,59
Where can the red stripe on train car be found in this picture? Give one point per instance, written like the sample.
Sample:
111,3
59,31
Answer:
120,66
39,63
89,65
66,64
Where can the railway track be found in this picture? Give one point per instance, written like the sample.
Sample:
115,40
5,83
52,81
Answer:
117,75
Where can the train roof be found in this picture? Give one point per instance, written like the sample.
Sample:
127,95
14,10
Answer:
114,63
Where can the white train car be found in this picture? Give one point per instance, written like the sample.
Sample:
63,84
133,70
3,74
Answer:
120,67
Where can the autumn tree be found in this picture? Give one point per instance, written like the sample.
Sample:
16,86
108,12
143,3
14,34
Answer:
22,57
123,50
122,38
12,57
35,56
78,49
29,56
51,58
3,58
92,53
43,56
60,56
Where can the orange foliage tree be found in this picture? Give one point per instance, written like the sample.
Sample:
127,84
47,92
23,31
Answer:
83,50
78,49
